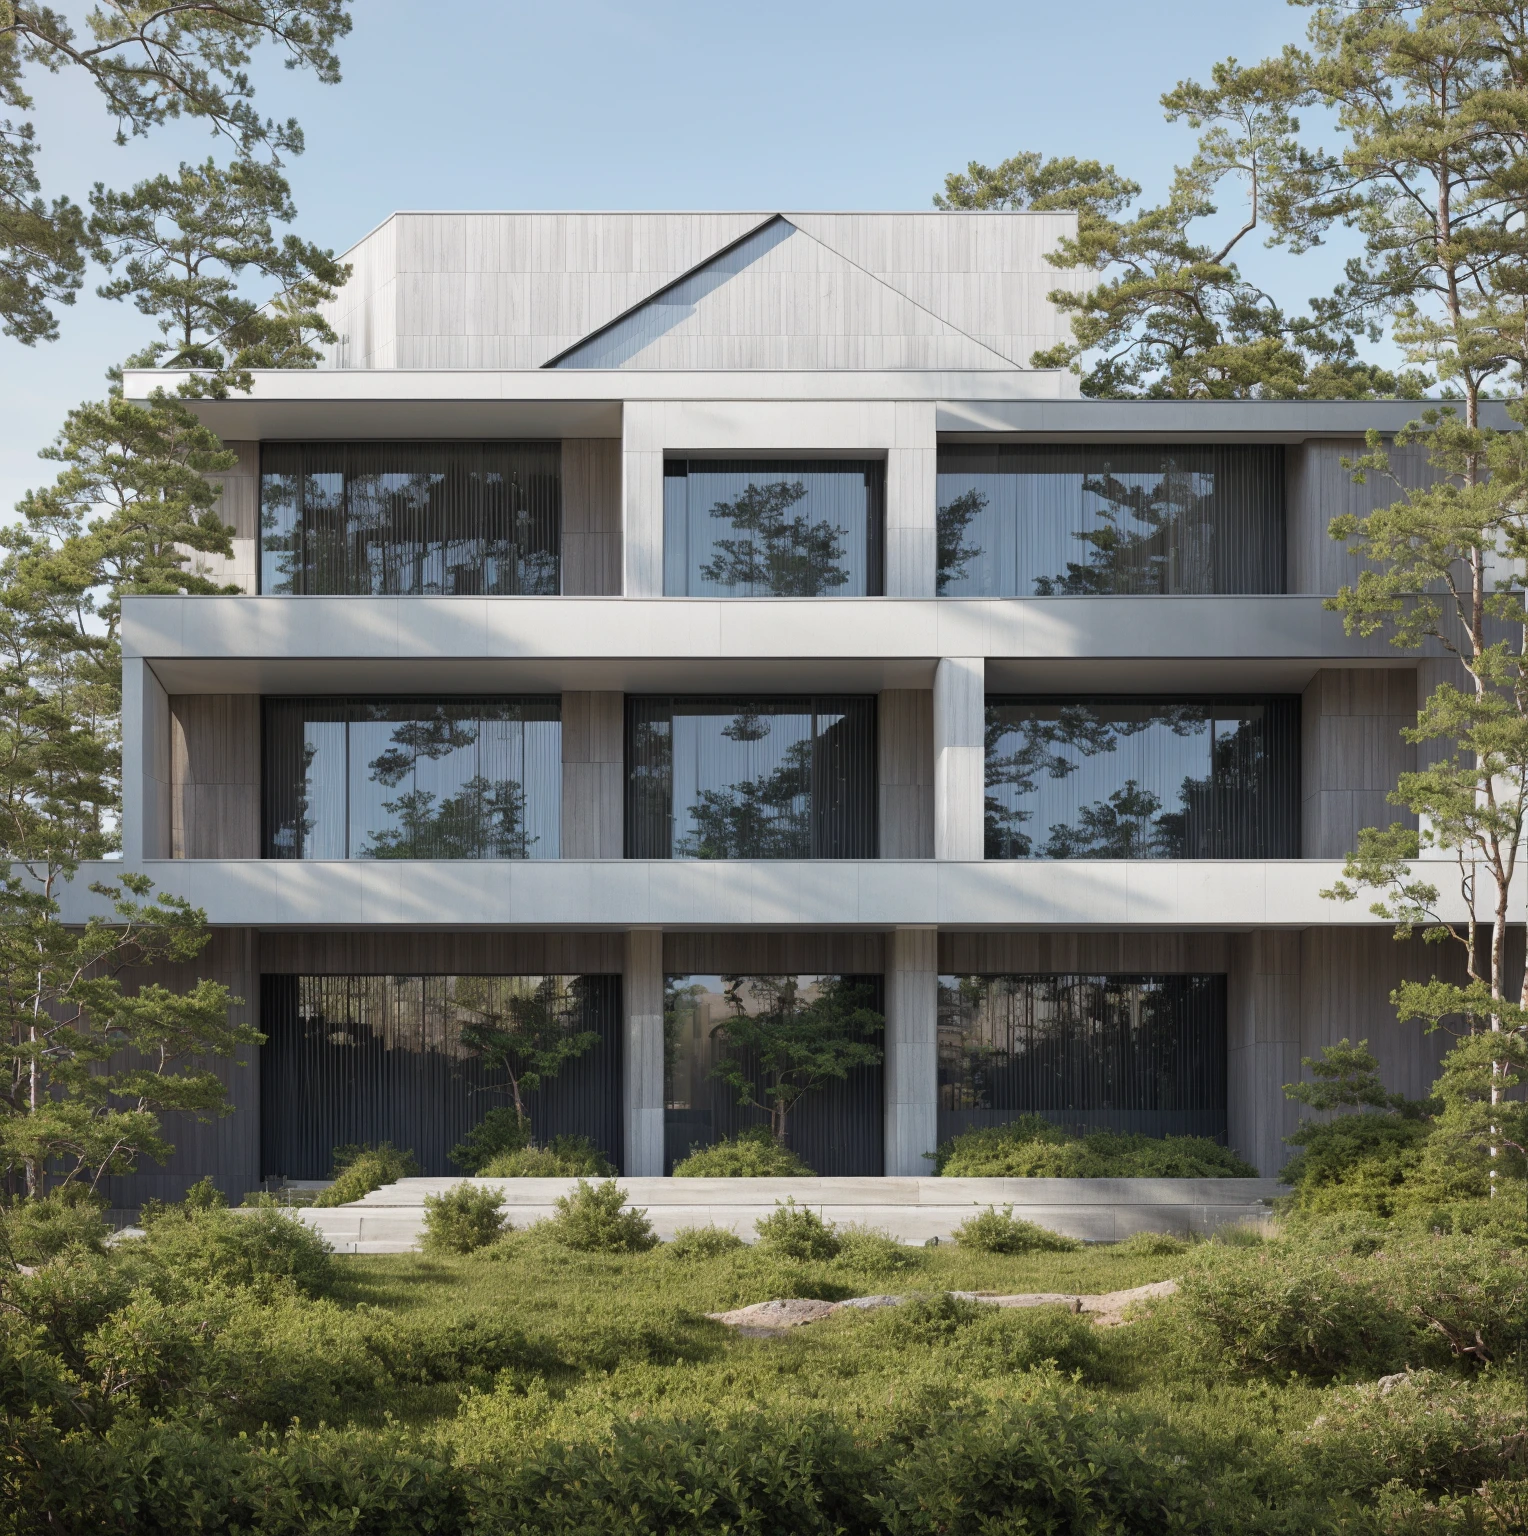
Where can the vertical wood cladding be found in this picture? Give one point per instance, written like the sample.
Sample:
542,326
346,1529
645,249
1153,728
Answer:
591,517
1352,752
773,954
593,775
906,751
238,504
1318,489
215,776
367,953
998,954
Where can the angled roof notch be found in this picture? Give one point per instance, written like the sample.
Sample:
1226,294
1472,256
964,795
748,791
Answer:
656,296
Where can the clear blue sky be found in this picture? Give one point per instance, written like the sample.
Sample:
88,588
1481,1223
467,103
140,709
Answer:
665,104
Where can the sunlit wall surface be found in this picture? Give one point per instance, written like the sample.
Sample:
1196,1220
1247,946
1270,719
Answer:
836,1129
1129,778
1020,521
389,518
401,778
409,1059
1144,1054
772,529
751,778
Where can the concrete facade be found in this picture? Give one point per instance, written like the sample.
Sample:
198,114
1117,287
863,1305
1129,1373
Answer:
630,338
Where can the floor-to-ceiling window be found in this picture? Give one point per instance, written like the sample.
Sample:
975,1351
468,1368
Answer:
835,1126
751,778
1049,521
411,1060
1144,1054
411,778
414,518
772,528
1132,778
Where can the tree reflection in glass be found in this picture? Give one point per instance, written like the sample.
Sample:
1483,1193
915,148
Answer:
768,816
776,554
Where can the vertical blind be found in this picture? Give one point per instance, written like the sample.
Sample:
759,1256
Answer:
836,1130
1133,778
1144,1054
400,778
1016,521
751,778
365,1059
384,518
805,528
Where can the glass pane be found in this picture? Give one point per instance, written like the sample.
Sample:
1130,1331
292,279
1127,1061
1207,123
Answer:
786,529
1109,779
1067,521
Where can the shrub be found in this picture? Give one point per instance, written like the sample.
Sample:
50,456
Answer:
703,1243
1152,1245
463,1219
359,1170
934,1319
793,1231
265,1248
873,1252
1357,1162
566,1157
1278,1310
1032,1147
994,1231
752,1154
591,1220
36,1230
498,1132
1464,1297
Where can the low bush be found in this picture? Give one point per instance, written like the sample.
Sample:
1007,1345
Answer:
1153,1245
498,1132
359,1170
564,1157
994,1231
1464,1298
703,1243
463,1219
793,1231
264,1248
592,1219
1032,1147
35,1231
1357,1162
873,1252
752,1154
935,1319
1279,1310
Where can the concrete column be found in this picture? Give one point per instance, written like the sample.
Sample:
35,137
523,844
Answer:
1262,1044
146,773
911,471
906,734
642,1058
960,717
592,775
912,1058
642,448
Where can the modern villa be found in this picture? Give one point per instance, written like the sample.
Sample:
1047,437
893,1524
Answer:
637,604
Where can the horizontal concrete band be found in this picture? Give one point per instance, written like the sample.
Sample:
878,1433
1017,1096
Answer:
277,629
703,893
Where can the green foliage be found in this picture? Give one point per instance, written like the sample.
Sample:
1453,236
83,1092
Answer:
463,1219
359,1170
751,1154
203,1244
774,553
1153,1245
698,1243
1031,1147
37,1230
784,1047
592,1220
794,1231
564,1157
994,1231
499,1131
872,1252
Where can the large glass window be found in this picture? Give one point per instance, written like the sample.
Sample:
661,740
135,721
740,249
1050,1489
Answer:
1144,1054
399,778
1133,778
834,1128
808,528
750,778
1018,521
382,518
364,1059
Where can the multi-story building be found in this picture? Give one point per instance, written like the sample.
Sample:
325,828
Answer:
638,602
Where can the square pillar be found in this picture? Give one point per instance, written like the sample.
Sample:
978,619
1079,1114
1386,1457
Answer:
960,768
642,1057
592,774
146,772
642,498
1263,1010
911,477
912,1055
